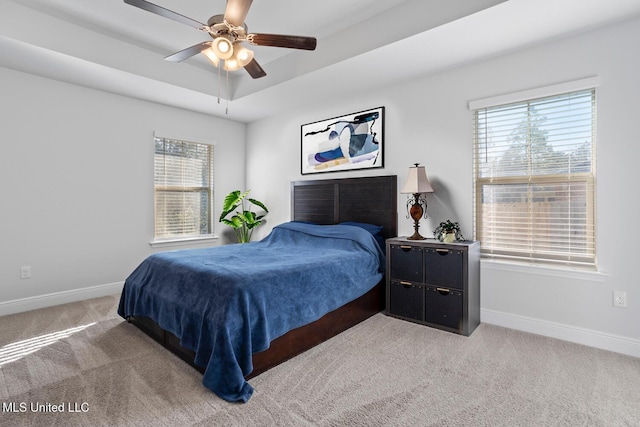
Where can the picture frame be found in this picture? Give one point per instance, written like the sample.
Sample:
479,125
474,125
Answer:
350,142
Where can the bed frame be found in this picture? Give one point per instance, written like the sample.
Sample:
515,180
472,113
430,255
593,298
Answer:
370,199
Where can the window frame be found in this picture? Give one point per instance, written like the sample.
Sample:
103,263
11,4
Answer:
210,189
588,179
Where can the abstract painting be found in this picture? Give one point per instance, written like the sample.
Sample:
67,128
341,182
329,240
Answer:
350,142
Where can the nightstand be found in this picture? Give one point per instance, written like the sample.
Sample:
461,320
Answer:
433,283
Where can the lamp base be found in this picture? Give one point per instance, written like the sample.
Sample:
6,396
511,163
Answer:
415,212
416,236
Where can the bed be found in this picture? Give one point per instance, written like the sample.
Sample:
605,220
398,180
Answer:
170,297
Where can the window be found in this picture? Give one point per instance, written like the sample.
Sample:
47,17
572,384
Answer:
534,178
183,187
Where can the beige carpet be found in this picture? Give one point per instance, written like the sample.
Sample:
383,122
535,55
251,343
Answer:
381,372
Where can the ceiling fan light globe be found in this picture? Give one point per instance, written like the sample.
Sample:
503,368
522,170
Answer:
243,55
222,47
231,64
211,56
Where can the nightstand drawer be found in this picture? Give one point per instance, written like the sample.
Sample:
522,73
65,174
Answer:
406,300
406,263
444,307
443,268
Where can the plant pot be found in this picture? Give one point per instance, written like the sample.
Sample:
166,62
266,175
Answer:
449,237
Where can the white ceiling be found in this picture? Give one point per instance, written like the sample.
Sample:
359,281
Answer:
109,45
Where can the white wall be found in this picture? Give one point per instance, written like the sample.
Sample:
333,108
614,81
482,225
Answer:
76,172
427,121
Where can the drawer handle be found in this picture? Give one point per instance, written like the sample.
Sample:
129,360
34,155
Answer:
443,291
406,284
442,251
405,247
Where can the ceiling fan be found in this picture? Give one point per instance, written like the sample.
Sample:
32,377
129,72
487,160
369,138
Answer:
228,32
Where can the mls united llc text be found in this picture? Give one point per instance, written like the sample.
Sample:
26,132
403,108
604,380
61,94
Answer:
47,407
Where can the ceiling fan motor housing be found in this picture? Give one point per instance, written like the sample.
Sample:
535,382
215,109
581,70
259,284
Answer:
218,27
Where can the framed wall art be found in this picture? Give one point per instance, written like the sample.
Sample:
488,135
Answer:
350,142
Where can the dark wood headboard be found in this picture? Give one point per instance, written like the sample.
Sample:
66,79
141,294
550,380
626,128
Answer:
368,199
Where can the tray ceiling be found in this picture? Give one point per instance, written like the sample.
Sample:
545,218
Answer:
109,45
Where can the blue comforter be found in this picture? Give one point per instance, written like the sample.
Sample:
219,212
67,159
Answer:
227,302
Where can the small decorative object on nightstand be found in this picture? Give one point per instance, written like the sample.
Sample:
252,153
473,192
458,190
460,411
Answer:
448,232
435,284
417,184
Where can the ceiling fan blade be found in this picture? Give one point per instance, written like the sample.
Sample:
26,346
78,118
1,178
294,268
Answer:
254,69
188,52
159,10
279,40
236,11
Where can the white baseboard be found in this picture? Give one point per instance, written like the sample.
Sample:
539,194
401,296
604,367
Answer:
57,298
618,344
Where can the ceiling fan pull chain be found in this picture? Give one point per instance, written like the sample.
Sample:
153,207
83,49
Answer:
219,66
226,108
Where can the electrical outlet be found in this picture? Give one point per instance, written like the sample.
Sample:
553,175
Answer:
25,272
619,299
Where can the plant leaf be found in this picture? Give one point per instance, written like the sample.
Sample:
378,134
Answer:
231,202
229,222
233,199
259,203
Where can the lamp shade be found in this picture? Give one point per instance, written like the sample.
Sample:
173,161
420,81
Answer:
241,57
222,46
211,56
417,181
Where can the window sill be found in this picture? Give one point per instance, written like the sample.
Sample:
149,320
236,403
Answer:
182,241
545,270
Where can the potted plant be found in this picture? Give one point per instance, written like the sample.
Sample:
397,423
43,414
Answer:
448,232
244,220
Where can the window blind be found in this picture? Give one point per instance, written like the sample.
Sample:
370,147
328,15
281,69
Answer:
183,187
534,186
